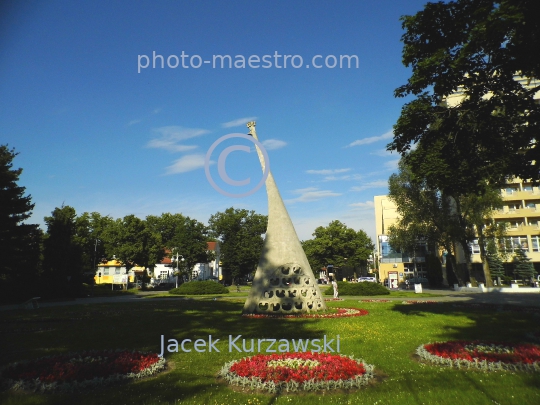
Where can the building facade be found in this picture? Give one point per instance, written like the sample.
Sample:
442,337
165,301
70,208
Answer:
520,212
394,264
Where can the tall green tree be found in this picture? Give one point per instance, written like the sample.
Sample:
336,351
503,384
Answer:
62,254
89,234
183,236
240,234
190,240
19,242
475,47
496,265
133,242
445,220
425,212
338,245
523,265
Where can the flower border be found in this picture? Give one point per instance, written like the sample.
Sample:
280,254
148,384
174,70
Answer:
342,313
256,383
459,362
42,387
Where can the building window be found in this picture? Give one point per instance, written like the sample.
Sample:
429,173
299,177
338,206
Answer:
105,271
117,271
514,243
528,189
514,206
514,224
510,190
535,243
533,222
531,205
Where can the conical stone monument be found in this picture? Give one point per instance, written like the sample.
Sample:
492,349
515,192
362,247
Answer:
284,282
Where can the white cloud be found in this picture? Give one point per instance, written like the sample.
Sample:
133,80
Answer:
363,205
133,122
372,139
372,184
171,135
392,164
327,171
237,122
186,163
311,194
272,144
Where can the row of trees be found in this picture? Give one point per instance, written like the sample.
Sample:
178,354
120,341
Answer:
56,261
448,182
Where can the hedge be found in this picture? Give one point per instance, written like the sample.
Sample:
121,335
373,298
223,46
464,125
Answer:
363,288
199,288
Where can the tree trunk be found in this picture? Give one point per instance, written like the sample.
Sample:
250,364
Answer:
483,256
453,264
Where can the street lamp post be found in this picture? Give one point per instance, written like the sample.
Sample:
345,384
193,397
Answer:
178,265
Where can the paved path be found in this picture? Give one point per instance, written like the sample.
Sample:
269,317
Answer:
524,299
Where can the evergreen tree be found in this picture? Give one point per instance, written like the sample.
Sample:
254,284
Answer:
523,265
19,242
62,254
496,266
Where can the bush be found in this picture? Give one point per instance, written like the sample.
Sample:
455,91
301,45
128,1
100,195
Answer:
199,288
364,288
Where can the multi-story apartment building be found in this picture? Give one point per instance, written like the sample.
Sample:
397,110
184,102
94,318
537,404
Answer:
520,211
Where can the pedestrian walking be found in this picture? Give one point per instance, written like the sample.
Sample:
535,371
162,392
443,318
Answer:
334,284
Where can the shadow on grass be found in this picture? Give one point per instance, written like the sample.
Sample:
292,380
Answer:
138,325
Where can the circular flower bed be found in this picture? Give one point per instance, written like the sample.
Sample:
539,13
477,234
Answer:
340,313
487,356
297,372
80,370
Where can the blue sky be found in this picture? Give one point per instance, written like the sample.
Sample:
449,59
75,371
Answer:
96,132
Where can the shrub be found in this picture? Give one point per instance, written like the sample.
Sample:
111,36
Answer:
364,288
199,288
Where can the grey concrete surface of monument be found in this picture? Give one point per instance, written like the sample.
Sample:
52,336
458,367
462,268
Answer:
284,282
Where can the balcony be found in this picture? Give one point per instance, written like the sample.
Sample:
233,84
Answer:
515,213
520,195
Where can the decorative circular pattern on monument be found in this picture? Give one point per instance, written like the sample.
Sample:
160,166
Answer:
290,290
307,371
74,371
484,355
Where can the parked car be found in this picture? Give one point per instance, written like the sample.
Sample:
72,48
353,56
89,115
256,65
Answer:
368,279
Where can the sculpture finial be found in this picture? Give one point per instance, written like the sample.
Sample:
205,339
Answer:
251,126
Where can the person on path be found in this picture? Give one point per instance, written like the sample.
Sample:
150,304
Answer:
334,284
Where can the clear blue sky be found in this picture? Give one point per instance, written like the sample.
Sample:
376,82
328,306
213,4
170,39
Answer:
95,134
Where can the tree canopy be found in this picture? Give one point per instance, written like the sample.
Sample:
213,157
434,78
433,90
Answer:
338,245
240,233
476,48
19,242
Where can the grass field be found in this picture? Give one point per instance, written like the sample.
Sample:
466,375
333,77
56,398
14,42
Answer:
387,338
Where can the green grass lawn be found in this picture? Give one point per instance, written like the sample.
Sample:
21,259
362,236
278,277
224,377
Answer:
387,338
